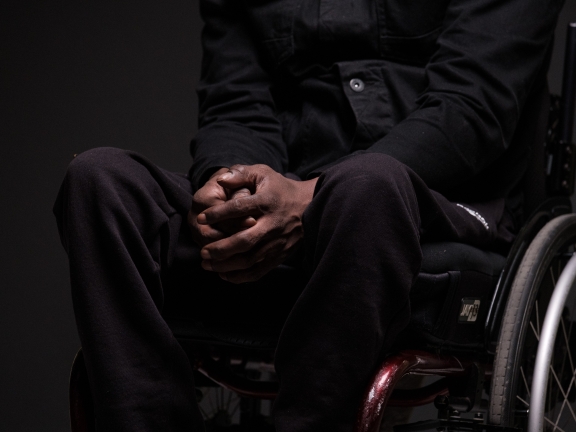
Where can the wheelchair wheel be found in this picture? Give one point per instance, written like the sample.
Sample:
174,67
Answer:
219,408
520,333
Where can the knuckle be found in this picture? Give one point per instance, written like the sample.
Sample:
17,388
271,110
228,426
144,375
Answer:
244,241
199,204
216,252
207,235
238,204
276,225
240,193
199,195
266,202
217,266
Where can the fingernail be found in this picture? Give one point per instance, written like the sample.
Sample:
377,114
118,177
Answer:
207,265
224,176
201,218
205,254
223,276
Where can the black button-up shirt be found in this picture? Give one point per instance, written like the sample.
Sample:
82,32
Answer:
439,85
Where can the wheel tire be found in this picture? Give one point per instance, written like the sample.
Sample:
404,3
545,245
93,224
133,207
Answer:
518,340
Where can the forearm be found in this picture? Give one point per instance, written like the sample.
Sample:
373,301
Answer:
237,121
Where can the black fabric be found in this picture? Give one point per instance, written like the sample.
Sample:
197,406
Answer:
450,272
443,257
133,267
446,84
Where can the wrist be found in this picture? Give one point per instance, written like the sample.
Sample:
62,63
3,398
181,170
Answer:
306,194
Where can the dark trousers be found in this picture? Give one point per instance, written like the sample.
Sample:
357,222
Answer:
133,265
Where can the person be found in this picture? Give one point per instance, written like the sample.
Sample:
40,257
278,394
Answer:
334,137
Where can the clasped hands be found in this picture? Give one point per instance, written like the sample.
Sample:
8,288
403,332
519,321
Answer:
247,219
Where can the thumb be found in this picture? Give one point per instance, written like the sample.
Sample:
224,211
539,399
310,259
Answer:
239,193
234,179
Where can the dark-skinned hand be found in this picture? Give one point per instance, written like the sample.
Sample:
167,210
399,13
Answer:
209,195
276,203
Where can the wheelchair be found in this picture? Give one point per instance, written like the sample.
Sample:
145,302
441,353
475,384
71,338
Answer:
497,333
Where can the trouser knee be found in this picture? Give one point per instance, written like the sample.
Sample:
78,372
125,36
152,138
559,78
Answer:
371,180
93,167
96,184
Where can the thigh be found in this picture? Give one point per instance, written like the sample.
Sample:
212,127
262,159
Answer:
378,185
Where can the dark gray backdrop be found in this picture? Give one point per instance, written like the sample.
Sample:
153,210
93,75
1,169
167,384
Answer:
73,77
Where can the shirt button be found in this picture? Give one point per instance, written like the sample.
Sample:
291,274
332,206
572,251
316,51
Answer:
357,85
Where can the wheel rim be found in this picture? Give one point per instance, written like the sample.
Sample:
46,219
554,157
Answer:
219,407
560,397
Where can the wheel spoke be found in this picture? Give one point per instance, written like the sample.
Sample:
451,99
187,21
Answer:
572,412
561,370
523,401
204,414
560,414
534,331
551,399
565,395
558,382
538,314
572,382
230,394
548,258
554,425
210,401
567,343
236,406
525,381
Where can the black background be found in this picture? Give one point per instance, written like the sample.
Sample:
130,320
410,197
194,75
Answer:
76,76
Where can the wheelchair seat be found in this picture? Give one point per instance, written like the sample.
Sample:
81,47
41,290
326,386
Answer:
451,296
452,276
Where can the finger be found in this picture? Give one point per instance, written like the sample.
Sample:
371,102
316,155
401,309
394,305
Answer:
252,274
252,205
207,235
237,176
240,242
246,260
232,226
204,234
238,193
236,262
199,205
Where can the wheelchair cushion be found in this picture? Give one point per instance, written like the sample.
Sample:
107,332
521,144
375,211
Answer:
451,296
450,272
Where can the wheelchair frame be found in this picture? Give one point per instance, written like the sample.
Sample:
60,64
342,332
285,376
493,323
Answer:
464,373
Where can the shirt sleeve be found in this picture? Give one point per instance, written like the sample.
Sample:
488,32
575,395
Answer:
489,54
237,122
